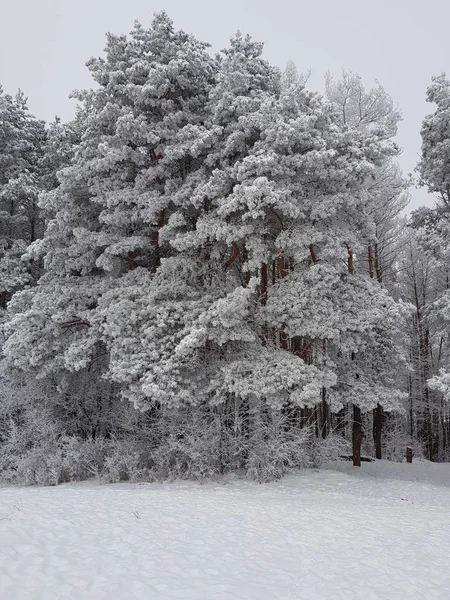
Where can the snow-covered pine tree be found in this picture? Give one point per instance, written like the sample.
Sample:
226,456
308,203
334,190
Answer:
421,282
200,344
22,141
432,291
202,244
104,217
30,156
112,200
271,219
373,112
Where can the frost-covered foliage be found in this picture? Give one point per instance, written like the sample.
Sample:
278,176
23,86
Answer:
39,444
22,141
30,156
360,108
429,275
106,213
434,167
204,263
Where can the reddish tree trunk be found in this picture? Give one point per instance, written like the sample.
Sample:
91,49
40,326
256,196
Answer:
282,266
233,257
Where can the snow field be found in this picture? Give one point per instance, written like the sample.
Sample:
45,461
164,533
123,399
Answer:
381,532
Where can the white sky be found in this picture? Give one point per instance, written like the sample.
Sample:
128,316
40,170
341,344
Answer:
44,45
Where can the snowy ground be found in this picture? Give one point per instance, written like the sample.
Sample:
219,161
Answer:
381,532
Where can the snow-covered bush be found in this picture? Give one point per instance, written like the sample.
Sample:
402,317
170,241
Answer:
123,464
273,447
328,449
190,446
42,442
396,439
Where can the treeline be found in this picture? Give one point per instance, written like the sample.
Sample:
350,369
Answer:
208,271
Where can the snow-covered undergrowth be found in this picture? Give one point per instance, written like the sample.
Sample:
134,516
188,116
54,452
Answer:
375,533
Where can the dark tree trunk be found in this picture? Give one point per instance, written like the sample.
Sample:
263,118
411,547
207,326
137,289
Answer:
266,334
378,411
357,424
325,414
370,253
264,283
350,262
233,257
378,266
282,266
284,341
282,272
357,436
377,428
312,252
409,454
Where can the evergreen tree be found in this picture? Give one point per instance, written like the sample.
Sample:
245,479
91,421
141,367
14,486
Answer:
432,290
205,256
105,216
22,142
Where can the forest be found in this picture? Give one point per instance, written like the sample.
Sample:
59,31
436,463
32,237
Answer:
212,269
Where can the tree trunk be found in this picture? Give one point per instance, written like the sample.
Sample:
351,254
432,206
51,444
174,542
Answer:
370,253
377,428
409,454
283,337
378,266
325,414
263,292
378,411
357,436
284,341
350,262
264,283
357,424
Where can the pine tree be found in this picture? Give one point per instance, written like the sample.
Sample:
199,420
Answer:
105,216
22,141
204,251
372,111
432,291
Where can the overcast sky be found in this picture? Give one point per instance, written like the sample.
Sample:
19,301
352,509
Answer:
44,45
